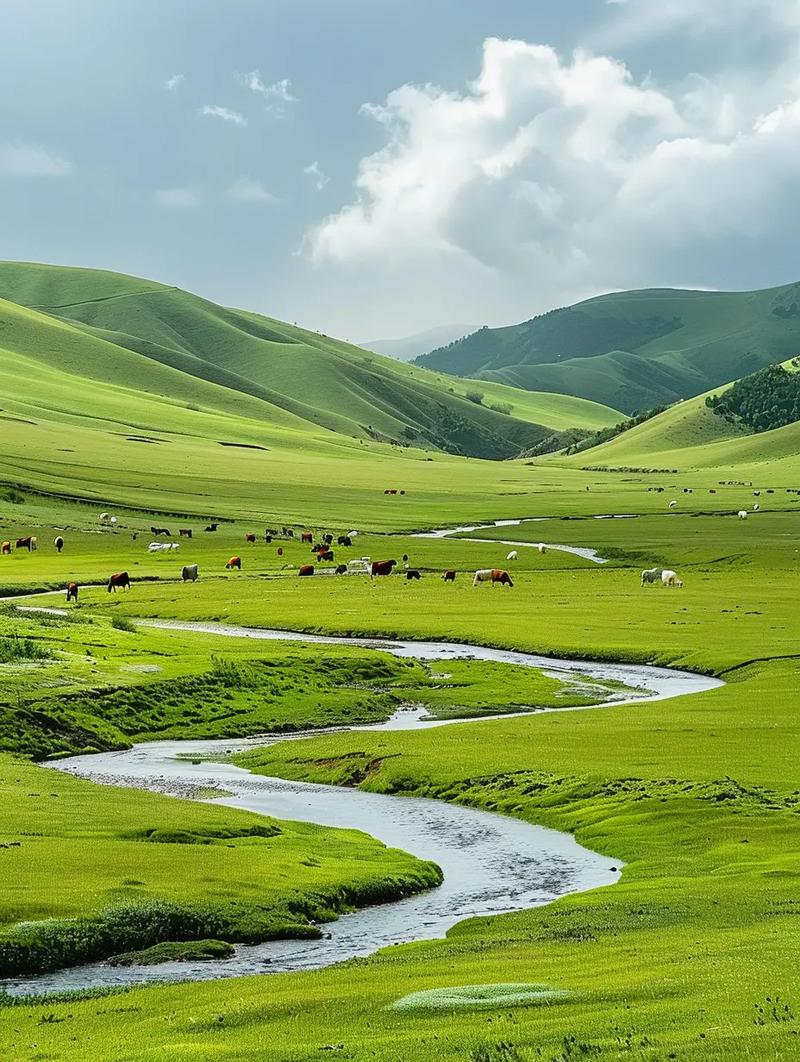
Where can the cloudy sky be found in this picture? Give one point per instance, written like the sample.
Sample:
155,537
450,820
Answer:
373,168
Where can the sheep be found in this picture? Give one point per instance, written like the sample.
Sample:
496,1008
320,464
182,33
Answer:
670,578
742,514
542,547
673,504
512,555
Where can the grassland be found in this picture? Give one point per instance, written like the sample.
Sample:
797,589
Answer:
634,350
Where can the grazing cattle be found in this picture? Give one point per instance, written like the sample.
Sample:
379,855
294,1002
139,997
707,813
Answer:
756,493
449,577
185,532
672,504
712,491
341,569
542,547
212,527
103,518
28,543
120,579
288,532
267,537
742,514
412,573
352,534
493,576
306,536
161,531
59,543
327,539
157,547
5,548
650,576
306,569
189,573
344,540
72,592
512,555
234,562
670,578
250,537
382,567
280,551
325,555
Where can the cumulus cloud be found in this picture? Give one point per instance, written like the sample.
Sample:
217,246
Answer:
551,178
186,196
31,160
174,82
224,114
278,95
318,177
249,190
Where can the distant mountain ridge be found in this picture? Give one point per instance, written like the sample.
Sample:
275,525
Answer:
636,349
410,347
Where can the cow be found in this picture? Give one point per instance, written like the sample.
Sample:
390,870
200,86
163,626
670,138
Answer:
344,540
189,573
161,531
5,548
306,569
234,562
512,555
267,537
651,576
185,532
493,576
306,536
542,547
757,493
120,579
412,573
212,527
449,577
28,543
250,537
742,514
341,569
327,538
72,592
59,543
325,555
352,534
382,567
670,578
280,551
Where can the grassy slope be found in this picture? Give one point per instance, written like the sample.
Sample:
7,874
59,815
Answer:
612,349
270,370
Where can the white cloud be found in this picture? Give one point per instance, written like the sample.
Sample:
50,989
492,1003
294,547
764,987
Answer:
248,190
315,172
277,95
174,82
551,179
187,196
224,113
31,160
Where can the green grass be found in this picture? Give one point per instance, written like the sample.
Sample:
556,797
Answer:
633,350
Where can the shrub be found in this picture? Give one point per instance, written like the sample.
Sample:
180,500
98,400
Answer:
501,407
14,649
474,396
122,623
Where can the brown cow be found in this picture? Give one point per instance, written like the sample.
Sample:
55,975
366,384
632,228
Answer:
250,537
5,548
120,579
449,577
185,532
72,592
307,536
306,569
382,567
28,543
493,576
235,562
325,555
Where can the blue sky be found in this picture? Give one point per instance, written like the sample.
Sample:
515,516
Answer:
376,167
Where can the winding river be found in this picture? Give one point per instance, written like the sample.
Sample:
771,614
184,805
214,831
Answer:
491,863
579,551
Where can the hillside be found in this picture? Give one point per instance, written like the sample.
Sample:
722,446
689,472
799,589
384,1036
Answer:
409,347
637,349
167,342
690,435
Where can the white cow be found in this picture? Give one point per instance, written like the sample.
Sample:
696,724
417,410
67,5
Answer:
670,578
512,555
742,514
352,534
542,547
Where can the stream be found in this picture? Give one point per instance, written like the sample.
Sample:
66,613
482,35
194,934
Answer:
579,551
492,863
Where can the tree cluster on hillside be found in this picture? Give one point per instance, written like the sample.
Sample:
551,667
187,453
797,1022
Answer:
605,434
769,398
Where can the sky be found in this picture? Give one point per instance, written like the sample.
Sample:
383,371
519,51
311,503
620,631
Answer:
374,168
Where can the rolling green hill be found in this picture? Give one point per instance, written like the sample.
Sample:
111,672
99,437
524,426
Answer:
171,346
636,349
690,435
